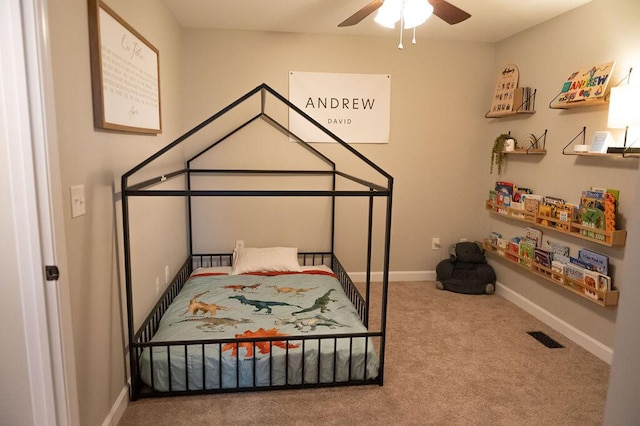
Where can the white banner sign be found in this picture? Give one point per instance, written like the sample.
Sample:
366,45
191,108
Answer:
355,107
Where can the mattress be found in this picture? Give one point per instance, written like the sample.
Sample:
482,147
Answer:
214,305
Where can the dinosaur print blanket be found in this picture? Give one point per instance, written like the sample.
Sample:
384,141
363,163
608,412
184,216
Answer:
212,306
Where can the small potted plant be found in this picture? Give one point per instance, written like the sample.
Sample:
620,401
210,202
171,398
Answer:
497,153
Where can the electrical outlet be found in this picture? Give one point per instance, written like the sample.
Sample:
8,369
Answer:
463,240
435,243
157,286
166,274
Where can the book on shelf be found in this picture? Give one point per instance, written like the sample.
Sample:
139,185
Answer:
574,272
604,283
531,203
553,201
564,213
580,263
535,235
516,208
596,261
543,257
503,245
522,99
560,251
513,250
591,282
519,193
557,270
504,194
494,236
527,252
593,218
492,197
592,199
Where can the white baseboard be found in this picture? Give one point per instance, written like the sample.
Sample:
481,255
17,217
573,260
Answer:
597,348
114,416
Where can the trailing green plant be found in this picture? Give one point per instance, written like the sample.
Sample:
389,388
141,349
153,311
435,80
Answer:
497,152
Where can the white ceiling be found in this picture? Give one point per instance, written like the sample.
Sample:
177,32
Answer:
491,20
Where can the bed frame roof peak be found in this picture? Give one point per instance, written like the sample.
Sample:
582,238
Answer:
265,92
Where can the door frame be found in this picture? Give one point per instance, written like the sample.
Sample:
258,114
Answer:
35,191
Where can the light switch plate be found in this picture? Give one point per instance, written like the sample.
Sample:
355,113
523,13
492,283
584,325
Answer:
78,205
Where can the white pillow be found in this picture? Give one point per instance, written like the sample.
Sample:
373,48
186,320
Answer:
269,259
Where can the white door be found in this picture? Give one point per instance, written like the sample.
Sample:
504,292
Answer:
33,219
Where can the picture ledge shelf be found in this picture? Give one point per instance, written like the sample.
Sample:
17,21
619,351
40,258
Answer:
607,298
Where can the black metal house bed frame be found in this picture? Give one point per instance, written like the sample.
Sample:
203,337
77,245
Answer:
140,339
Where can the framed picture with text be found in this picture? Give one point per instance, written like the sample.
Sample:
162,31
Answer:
125,74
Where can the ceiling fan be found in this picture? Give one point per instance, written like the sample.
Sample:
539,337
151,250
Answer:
441,8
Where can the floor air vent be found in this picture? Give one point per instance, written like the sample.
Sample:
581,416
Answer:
544,339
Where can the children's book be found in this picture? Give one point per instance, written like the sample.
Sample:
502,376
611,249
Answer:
513,249
531,203
557,269
535,235
574,272
592,217
596,261
560,251
504,194
604,282
543,257
527,252
591,282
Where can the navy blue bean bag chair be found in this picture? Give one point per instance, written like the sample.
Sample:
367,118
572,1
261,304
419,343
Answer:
466,271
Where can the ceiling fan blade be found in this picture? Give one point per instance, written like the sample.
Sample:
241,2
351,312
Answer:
361,14
447,12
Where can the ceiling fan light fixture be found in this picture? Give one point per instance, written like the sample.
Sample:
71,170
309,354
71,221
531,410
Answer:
416,12
389,13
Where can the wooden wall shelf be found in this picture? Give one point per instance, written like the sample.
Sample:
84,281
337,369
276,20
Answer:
526,152
604,298
579,104
617,238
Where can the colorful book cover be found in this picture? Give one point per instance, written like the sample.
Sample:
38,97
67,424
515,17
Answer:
563,213
593,218
597,261
585,84
591,282
513,248
520,193
535,235
543,257
504,193
574,272
527,252
592,199
580,263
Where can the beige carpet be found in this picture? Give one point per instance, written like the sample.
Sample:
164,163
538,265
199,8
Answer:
452,359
